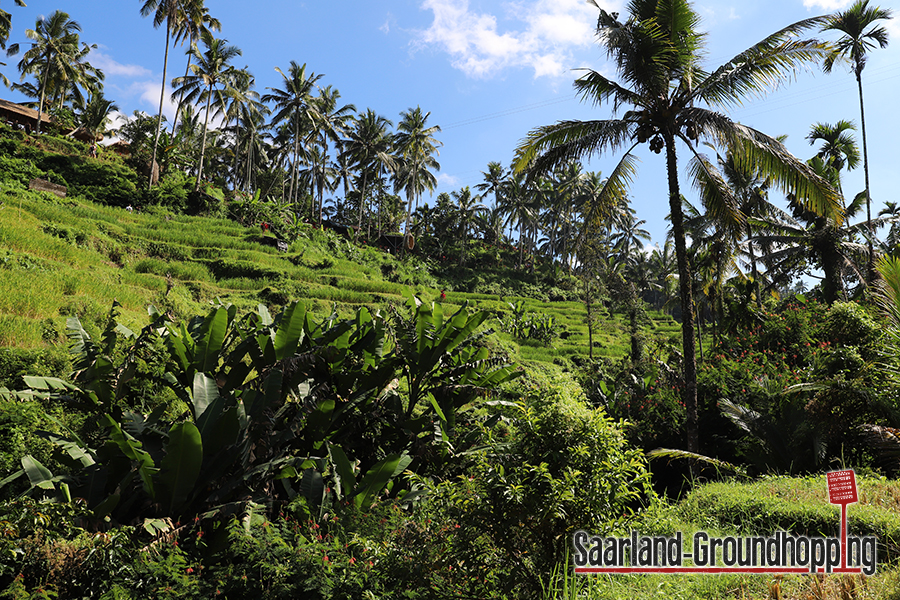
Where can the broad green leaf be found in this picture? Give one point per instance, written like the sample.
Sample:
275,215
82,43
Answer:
312,486
377,478
205,392
181,466
290,330
39,475
209,343
343,468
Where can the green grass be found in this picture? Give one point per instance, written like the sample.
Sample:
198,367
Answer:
69,257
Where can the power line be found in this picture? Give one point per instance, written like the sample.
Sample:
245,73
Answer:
510,111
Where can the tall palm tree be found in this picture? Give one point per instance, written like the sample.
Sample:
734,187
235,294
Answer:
495,181
417,148
368,145
169,13
468,207
519,206
5,28
330,123
195,20
293,104
657,52
210,73
860,34
56,57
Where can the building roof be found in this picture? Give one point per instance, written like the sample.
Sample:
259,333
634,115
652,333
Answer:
18,112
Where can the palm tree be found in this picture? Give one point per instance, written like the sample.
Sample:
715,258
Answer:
417,148
495,181
5,27
519,206
94,116
64,81
839,149
210,71
657,52
169,13
55,56
195,20
368,147
329,123
293,103
860,34
468,207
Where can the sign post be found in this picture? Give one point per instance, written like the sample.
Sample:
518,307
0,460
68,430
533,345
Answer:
842,490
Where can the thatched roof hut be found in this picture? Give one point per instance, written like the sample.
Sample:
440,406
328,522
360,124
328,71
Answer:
21,115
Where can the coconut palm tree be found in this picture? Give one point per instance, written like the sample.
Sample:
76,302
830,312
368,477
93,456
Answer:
169,13
195,19
860,34
657,51
293,104
468,207
368,148
210,74
56,57
329,123
94,116
495,181
5,27
417,149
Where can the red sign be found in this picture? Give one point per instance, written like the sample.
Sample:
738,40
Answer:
842,487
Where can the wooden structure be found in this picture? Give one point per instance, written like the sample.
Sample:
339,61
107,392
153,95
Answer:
21,115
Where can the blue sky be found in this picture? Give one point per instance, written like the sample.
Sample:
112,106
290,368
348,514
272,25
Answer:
486,70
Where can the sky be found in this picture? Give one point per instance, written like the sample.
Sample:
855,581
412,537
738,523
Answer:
487,71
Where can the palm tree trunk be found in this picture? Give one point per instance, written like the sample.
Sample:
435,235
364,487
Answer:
685,278
187,71
521,242
43,97
362,199
162,97
296,155
870,268
203,143
755,275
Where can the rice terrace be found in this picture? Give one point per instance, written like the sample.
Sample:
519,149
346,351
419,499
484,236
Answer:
552,300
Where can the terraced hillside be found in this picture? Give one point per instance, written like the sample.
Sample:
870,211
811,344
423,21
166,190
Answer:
65,257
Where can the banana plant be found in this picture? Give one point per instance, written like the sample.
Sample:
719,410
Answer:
270,400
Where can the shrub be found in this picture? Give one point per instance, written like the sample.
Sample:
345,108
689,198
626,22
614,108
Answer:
506,523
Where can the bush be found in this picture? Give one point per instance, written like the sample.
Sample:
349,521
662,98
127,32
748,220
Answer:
507,522
172,191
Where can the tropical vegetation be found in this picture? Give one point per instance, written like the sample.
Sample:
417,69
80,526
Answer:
261,363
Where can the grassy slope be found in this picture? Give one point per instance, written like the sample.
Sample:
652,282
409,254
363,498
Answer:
68,257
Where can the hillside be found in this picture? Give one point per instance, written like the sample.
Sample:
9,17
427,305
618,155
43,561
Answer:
70,256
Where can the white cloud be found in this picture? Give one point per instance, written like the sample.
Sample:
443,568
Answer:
827,5
448,180
536,34
389,20
149,94
110,67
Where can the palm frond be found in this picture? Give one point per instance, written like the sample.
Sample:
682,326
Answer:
752,148
758,69
717,197
551,146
